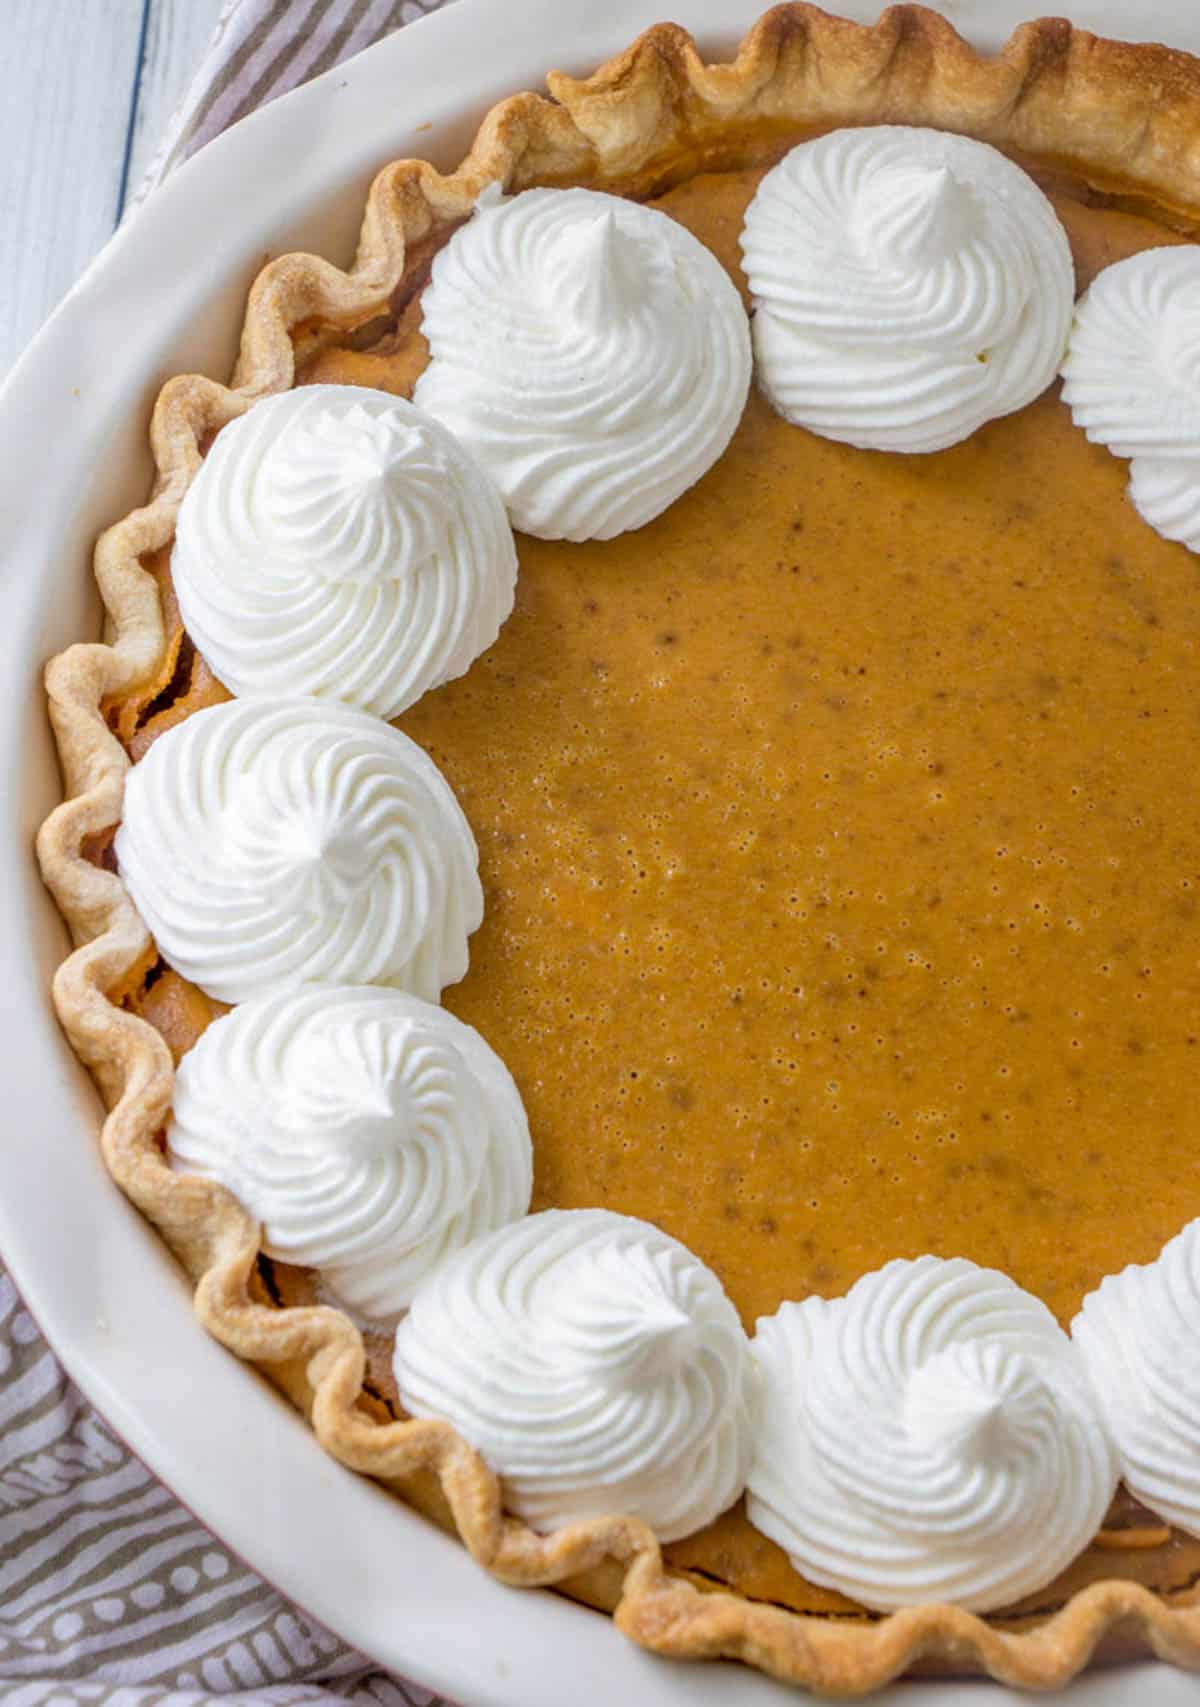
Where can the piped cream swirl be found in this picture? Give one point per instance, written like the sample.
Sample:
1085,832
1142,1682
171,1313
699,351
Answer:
1131,378
594,1362
1139,1334
591,353
370,1133
908,286
929,1436
337,542
275,842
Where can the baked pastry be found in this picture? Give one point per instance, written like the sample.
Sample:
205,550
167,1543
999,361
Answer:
956,681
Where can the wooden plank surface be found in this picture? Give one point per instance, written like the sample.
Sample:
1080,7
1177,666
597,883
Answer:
177,35
66,82
86,87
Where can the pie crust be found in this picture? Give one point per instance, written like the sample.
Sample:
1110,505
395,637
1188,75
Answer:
1125,118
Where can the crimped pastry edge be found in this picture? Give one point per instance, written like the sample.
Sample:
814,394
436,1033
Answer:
1122,116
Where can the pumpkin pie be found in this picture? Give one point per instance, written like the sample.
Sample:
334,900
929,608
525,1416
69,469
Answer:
840,887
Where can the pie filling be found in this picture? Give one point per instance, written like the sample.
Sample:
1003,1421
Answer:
840,868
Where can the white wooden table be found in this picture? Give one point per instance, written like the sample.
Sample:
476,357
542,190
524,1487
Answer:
86,88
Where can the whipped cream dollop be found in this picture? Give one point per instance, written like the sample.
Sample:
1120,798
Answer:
371,1134
930,1436
337,542
1131,378
591,353
274,842
594,1362
1139,1334
908,286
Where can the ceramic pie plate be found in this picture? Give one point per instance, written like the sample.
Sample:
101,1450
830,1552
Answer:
167,296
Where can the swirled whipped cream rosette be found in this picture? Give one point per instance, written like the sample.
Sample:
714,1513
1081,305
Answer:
591,353
931,1436
1131,378
1139,1333
338,543
908,285
269,843
372,1135
594,1362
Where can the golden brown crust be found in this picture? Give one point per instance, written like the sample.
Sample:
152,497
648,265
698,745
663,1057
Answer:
1125,118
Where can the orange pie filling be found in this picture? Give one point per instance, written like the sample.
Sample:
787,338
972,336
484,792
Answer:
840,867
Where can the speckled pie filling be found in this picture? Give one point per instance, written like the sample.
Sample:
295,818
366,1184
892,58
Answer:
840,868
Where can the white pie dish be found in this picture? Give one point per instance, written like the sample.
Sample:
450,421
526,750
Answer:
167,296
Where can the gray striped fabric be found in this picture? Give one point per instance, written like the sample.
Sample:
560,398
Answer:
110,1592
262,48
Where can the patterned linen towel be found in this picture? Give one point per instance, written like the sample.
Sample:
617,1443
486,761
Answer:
263,48
110,1592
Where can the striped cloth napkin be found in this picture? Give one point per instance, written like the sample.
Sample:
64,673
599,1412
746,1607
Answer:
262,48
110,1592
